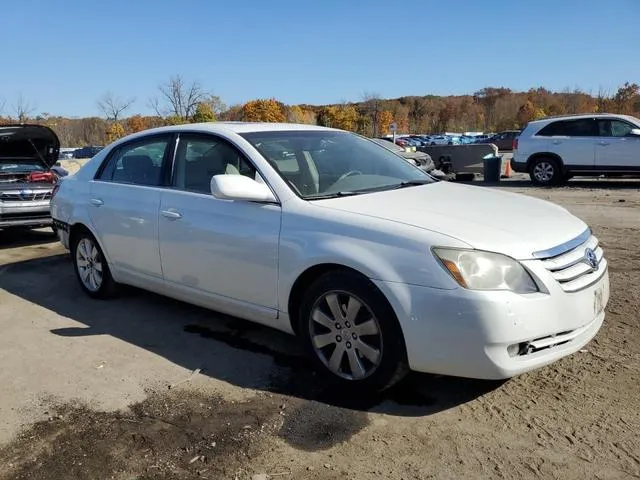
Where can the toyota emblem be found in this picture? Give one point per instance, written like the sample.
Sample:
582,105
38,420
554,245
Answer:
591,258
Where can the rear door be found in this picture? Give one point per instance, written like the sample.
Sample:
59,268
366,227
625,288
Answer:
574,141
616,149
124,204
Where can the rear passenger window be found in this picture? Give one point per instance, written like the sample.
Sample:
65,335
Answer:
583,127
138,163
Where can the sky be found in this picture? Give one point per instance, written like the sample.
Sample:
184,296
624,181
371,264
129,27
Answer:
62,55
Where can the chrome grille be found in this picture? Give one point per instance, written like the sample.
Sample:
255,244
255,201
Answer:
25,195
572,268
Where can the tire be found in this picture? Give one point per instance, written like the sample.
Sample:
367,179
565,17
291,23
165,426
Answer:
363,351
91,268
546,171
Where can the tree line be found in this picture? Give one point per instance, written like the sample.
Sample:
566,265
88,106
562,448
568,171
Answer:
179,101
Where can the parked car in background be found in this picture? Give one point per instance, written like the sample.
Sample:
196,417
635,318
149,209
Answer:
28,154
554,149
503,140
374,265
420,159
87,152
66,153
440,140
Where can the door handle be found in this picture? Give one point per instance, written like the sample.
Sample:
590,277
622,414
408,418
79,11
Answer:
171,214
557,142
603,143
96,202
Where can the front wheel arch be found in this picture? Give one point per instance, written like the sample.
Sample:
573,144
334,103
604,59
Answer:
393,364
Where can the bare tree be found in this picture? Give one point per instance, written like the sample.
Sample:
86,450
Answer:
3,102
603,99
112,106
23,108
179,99
488,97
372,108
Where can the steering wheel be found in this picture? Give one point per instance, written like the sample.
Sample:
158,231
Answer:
349,173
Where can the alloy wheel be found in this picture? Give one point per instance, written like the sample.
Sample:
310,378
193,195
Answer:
346,335
89,264
543,172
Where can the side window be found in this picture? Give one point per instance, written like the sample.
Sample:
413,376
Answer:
139,162
200,157
620,129
583,127
553,129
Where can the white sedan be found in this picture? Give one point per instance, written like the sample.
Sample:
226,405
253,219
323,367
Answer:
374,265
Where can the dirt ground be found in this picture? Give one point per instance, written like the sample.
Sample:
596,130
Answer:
148,388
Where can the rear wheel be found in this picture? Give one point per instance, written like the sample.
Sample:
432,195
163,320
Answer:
351,333
91,267
546,171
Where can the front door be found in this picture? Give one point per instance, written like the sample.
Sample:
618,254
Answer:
124,203
616,149
225,249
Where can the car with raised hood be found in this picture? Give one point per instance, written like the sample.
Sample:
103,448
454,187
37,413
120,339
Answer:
28,174
323,234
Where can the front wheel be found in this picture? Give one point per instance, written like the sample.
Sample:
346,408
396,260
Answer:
546,171
91,267
351,333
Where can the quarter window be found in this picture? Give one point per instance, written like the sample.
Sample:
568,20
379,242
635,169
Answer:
200,157
139,162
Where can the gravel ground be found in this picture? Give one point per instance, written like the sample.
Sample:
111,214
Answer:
146,387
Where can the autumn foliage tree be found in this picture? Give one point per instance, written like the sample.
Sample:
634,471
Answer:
263,110
136,123
385,119
115,131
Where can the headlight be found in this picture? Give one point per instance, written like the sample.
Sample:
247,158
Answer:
477,270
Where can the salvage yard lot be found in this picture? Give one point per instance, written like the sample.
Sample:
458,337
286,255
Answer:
147,387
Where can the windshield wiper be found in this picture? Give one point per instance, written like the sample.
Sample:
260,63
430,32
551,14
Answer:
413,183
406,183
333,195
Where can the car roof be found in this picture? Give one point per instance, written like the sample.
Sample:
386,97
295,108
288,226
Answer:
580,116
226,127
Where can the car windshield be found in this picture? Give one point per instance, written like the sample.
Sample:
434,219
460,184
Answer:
324,163
388,145
19,167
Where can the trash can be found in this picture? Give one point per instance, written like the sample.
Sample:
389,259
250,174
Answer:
492,168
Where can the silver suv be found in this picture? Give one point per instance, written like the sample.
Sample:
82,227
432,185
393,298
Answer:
552,150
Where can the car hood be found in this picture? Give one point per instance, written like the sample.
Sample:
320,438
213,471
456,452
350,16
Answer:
29,144
483,218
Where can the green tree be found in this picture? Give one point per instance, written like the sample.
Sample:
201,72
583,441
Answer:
204,113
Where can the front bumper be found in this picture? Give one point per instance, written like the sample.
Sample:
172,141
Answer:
494,335
25,214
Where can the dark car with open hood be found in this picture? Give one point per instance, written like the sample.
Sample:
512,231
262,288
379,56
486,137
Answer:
28,175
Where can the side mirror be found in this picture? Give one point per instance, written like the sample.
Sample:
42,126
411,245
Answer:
240,188
635,132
